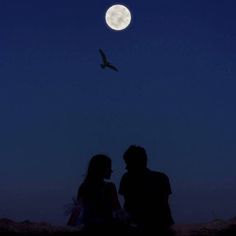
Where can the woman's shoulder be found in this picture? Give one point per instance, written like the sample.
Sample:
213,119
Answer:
110,184
82,187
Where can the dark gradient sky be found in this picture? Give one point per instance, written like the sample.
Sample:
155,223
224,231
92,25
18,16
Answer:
174,95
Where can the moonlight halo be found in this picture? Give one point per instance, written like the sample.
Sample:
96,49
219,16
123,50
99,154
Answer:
118,17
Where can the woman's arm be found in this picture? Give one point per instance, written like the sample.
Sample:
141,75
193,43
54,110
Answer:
114,197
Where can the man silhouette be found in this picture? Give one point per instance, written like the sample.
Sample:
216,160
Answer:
145,193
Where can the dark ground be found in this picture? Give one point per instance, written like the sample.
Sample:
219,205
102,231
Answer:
27,228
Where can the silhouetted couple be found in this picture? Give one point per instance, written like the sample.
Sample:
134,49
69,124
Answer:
146,208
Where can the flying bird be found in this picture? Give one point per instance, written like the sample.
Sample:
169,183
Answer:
105,62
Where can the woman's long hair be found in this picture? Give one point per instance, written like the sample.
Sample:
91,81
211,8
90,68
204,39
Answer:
97,170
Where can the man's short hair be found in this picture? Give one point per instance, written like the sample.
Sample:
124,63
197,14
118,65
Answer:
136,155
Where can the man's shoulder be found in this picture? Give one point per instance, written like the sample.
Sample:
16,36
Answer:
125,180
158,174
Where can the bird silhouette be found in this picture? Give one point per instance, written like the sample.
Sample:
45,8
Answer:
105,62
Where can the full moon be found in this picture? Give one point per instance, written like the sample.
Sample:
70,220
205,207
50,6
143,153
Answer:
118,17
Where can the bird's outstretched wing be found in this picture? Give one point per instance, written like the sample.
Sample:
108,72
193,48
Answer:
104,58
112,67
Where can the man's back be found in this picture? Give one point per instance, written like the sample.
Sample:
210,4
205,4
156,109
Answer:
146,197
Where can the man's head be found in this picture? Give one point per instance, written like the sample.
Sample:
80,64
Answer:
135,158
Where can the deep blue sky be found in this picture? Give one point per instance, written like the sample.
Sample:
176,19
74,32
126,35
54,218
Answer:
174,95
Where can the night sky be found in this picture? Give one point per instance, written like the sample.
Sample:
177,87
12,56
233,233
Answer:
174,94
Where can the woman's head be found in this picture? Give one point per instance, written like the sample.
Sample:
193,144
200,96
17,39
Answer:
99,167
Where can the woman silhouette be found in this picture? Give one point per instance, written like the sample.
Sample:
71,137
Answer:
98,198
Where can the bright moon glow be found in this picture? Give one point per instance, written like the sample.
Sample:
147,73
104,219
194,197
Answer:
118,17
